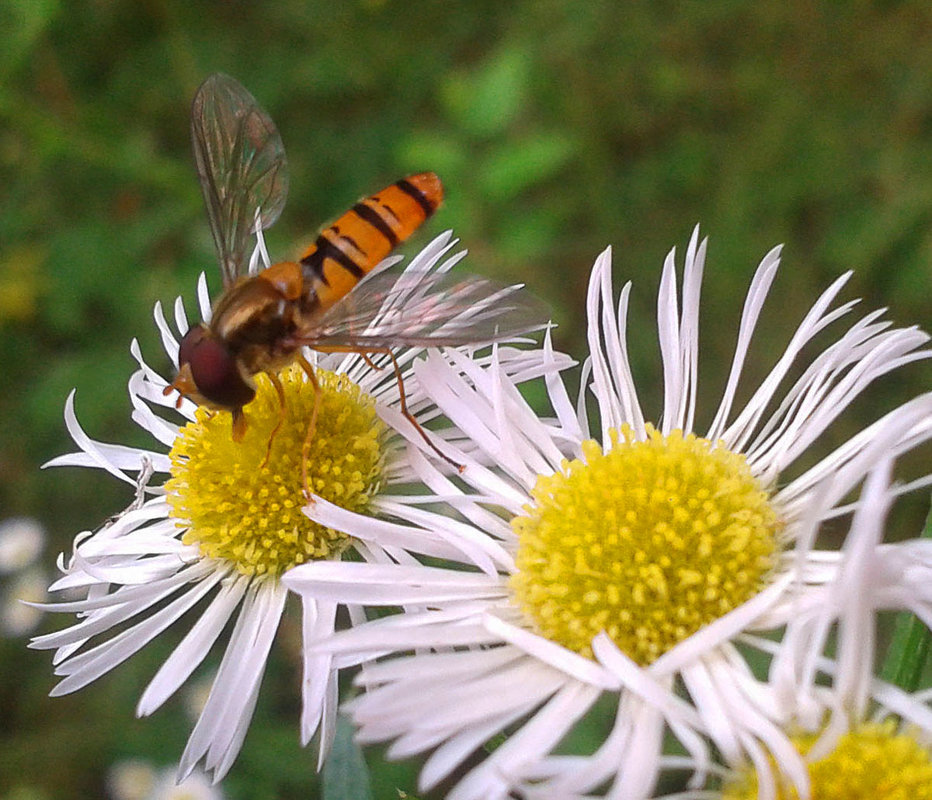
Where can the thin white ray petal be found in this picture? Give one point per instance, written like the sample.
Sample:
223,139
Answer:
582,669
637,771
219,730
449,755
193,648
556,391
88,666
599,297
475,545
203,298
144,369
318,620
669,335
384,533
534,739
137,599
435,629
689,327
715,720
181,320
93,449
169,342
739,432
757,294
376,584
650,687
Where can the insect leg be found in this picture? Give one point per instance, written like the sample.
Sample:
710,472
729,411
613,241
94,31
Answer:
369,362
239,424
282,413
408,415
312,425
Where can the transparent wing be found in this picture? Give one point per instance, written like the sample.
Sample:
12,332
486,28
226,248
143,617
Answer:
241,166
427,309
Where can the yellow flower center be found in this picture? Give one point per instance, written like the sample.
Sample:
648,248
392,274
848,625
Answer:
647,542
872,762
237,508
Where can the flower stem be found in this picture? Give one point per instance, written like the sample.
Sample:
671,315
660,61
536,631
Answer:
911,645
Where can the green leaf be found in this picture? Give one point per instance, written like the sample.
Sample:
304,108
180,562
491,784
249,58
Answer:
22,25
433,151
346,776
517,165
485,101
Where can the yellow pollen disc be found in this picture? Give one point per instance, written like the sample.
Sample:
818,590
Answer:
647,542
238,509
872,762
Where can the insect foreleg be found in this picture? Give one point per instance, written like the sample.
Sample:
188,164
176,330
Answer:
409,416
282,413
312,425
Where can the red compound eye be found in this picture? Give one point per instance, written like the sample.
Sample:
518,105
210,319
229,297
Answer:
214,369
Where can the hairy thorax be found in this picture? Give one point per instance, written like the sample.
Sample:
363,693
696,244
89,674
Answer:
258,324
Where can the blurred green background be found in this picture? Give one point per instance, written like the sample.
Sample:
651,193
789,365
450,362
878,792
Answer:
558,128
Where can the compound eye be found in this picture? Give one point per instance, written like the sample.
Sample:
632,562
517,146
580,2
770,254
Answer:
189,343
214,369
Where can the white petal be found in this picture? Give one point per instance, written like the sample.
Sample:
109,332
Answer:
219,731
193,648
88,666
379,585
581,669
757,294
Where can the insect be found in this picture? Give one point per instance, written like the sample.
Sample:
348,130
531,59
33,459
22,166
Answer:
326,299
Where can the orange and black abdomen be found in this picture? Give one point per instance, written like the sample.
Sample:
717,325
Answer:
367,233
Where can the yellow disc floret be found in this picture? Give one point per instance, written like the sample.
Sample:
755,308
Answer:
648,542
871,762
238,506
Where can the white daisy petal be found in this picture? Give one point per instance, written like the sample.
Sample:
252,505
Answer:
169,342
754,302
193,648
222,724
97,452
668,331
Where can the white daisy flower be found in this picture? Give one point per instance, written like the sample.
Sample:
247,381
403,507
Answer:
196,786
630,569
139,780
19,613
130,779
21,541
227,523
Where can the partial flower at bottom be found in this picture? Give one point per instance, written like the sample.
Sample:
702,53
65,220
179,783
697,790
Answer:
217,536
637,553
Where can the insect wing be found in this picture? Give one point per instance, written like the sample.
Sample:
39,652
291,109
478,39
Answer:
426,309
241,167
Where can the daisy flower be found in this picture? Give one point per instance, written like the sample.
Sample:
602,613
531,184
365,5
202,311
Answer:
857,736
224,527
21,541
140,780
636,552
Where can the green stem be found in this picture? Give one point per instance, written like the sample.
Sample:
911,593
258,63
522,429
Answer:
910,646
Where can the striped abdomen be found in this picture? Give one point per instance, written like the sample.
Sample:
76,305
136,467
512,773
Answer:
367,233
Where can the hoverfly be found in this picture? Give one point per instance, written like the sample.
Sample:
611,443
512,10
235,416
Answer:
324,300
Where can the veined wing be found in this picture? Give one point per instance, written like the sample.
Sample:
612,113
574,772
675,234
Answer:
241,167
427,309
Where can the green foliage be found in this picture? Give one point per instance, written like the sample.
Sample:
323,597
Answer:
346,776
559,128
